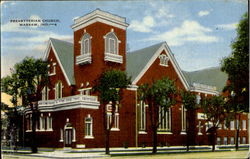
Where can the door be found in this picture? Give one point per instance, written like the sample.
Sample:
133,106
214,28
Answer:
68,137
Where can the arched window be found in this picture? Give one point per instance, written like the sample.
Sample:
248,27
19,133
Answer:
88,127
45,93
58,90
86,44
111,43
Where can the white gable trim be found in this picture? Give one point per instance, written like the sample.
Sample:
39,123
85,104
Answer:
171,58
46,55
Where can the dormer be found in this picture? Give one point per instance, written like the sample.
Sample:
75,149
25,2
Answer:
85,56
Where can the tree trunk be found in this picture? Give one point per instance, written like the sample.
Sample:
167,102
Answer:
187,130
106,131
213,136
237,134
107,143
154,140
33,140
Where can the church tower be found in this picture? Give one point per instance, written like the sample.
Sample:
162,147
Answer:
99,44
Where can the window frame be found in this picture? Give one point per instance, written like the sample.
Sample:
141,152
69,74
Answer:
84,48
244,125
116,118
183,119
49,123
142,116
164,60
166,125
45,93
88,127
58,90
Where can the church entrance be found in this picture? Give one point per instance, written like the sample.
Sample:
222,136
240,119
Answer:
68,137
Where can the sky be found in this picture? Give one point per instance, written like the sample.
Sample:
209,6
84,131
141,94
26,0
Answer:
198,32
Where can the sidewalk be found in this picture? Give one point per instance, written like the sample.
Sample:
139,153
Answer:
100,152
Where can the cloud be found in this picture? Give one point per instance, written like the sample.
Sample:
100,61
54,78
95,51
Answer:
30,42
231,26
203,13
189,31
164,13
143,26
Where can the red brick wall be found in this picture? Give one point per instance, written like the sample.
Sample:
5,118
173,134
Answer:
90,72
67,90
156,72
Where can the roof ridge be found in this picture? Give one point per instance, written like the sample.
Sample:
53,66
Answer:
204,69
136,51
60,40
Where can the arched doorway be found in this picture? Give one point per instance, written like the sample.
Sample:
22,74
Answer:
68,137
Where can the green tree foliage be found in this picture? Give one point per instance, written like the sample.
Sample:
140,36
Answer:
160,94
109,86
27,81
215,111
11,85
237,66
189,103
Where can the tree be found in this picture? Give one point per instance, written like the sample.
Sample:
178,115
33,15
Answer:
10,85
237,68
189,103
160,97
109,86
31,75
214,109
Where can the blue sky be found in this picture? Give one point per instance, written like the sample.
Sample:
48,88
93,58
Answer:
199,32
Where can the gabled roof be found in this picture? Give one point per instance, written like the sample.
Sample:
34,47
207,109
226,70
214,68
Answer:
64,52
137,60
211,76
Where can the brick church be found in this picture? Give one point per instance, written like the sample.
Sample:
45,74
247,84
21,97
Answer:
70,113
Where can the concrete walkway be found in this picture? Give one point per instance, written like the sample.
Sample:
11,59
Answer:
100,152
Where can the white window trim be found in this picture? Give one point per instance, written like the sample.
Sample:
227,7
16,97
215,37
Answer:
87,136
116,119
56,89
143,124
45,91
54,69
84,47
225,141
116,43
199,128
244,125
42,120
164,59
231,140
142,132
49,129
73,135
61,135
167,119
109,47
232,128
82,42
183,118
